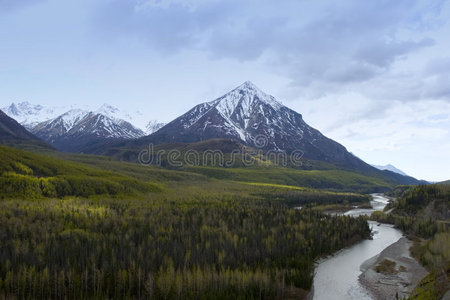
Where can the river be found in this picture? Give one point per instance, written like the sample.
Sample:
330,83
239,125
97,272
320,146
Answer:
336,277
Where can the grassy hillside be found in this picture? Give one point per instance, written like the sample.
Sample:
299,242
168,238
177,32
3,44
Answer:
318,179
132,169
330,179
235,155
28,145
30,175
307,173
26,174
337,180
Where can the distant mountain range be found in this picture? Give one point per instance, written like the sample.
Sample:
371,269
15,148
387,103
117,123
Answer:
253,119
29,115
391,168
245,117
72,130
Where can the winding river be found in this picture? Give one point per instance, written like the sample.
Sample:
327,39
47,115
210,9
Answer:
336,277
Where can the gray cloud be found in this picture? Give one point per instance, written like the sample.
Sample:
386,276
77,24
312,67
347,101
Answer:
318,45
437,66
383,54
439,88
168,29
435,79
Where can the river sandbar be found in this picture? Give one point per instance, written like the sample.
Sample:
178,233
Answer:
405,275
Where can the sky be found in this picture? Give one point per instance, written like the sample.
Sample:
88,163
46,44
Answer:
372,75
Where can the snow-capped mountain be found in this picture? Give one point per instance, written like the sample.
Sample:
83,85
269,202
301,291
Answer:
391,168
29,115
77,128
137,118
114,113
251,116
52,129
153,126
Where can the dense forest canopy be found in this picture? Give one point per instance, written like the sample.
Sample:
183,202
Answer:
163,249
161,234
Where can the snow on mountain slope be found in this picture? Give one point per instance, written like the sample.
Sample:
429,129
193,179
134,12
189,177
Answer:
52,129
136,117
78,130
76,122
114,113
391,168
245,113
257,119
241,104
72,117
242,100
153,126
30,115
105,127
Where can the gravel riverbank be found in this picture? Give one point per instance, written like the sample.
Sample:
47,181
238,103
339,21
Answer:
397,279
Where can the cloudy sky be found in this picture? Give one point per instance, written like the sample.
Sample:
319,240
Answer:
373,75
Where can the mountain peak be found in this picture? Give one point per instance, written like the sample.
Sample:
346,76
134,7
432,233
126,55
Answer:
20,108
244,113
249,85
242,100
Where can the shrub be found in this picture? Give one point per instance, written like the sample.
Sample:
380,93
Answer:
386,266
17,185
47,187
22,169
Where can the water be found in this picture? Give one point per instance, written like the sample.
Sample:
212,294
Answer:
378,203
336,277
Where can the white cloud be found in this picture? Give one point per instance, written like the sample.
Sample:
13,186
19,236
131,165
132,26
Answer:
414,136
